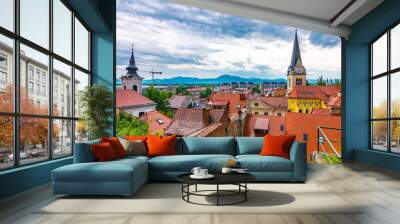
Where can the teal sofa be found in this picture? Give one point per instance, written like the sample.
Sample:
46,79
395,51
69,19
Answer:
125,176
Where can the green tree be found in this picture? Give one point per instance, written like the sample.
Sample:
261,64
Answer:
256,89
321,81
97,103
160,98
206,93
127,124
181,90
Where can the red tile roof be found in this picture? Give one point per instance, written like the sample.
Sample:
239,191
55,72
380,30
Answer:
299,124
157,121
179,101
273,125
275,102
279,92
314,92
233,98
131,98
320,111
196,89
335,102
187,121
216,115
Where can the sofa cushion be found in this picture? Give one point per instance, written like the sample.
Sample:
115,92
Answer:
161,145
112,171
249,145
103,152
257,163
116,145
275,145
208,145
185,163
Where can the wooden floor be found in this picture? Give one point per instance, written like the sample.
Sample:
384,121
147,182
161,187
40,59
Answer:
377,188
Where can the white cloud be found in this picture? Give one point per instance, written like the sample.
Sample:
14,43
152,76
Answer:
168,41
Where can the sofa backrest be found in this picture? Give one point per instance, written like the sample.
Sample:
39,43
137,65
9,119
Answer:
249,145
206,145
83,152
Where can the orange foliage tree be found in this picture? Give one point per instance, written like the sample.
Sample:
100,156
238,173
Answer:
33,131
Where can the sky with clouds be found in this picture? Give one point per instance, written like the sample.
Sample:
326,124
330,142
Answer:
186,41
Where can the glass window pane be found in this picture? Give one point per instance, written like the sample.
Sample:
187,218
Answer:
34,72
81,45
379,55
62,89
6,74
7,14
379,135
81,82
62,138
81,131
33,140
395,47
395,136
62,29
379,97
35,21
6,142
395,94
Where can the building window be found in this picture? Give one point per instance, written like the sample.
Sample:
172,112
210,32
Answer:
265,113
282,127
56,127
3,78
385,97
305,137
256,104
256,113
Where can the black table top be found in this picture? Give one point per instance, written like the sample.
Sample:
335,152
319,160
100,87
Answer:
220,178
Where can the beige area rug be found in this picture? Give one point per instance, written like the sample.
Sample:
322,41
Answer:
166,198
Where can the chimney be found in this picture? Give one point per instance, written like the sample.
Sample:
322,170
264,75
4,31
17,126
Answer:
206,116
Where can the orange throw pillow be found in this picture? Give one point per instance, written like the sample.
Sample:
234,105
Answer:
136,138
161,145
103,152
277,145
116,145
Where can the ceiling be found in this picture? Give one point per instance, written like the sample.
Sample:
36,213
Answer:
326,16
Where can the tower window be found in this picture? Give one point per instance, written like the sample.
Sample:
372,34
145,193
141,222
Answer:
134,87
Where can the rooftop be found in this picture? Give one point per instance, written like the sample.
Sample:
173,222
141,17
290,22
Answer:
315,92
157,122
131,98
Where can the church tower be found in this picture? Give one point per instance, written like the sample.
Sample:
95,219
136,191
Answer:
296,74
132,80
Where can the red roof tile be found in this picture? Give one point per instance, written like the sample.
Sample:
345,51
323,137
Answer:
274,124
275,102
299,124
179,101
314,92
131,98
187,121
233,98
157,121
320,111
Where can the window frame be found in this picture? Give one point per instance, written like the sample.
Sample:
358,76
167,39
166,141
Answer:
388,74
16,114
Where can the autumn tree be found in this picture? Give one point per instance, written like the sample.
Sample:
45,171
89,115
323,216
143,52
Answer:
33,131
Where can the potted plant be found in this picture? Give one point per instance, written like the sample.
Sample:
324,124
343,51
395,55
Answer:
96,102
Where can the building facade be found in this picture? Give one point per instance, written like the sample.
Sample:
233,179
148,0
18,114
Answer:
269,106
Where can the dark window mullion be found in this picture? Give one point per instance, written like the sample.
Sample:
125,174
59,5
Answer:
50,79
389,104
16,69
73,81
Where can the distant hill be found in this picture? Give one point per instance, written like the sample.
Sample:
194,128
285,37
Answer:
203,81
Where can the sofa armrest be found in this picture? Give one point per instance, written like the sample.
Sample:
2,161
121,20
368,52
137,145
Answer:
83,152
298,155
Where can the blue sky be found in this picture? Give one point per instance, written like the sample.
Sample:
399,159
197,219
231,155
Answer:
186,41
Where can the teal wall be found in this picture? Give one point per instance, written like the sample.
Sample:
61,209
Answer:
99,16
356,85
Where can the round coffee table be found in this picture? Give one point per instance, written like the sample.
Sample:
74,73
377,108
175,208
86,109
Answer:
238,179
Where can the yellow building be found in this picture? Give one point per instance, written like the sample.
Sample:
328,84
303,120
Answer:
304,99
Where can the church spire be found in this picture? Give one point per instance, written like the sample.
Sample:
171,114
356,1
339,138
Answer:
132,69
296,56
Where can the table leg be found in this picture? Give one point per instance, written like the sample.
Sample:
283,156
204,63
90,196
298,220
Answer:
217,194
195,188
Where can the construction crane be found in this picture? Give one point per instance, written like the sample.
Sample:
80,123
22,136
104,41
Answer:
152,72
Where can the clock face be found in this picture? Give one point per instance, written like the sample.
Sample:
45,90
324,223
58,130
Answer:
298,70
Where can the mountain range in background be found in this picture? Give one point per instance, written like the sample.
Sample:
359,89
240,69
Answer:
213,81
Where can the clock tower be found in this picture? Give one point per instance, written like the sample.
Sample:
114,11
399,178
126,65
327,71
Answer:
296,73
